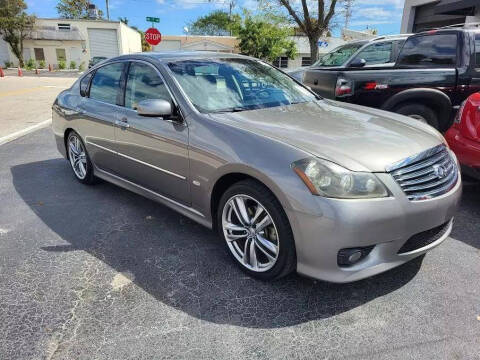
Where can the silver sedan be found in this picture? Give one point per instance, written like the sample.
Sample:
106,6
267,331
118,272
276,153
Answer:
289,181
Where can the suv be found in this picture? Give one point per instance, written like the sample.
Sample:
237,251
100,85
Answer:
435,71
379,52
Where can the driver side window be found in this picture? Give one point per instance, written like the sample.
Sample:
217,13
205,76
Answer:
143,83
374,54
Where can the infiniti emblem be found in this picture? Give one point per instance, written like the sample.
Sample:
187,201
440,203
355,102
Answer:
440,171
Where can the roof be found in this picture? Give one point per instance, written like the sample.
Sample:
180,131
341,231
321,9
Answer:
181,55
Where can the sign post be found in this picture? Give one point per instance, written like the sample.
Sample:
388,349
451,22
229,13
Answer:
153,36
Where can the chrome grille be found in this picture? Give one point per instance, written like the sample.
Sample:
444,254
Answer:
426,175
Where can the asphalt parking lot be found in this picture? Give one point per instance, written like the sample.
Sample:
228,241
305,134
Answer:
101,273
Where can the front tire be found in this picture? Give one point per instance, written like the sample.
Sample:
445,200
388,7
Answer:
79,160
256,231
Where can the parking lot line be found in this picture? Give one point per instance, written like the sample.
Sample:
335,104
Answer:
20,133
21,91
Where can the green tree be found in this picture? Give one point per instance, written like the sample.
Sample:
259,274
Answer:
123,20
74,9
217,22
313,17
15,25
264,39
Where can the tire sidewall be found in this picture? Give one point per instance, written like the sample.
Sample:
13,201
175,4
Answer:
418,109
89,177
273,207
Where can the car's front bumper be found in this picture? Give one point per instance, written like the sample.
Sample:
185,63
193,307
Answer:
386,223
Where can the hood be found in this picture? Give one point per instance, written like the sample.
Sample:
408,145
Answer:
355,137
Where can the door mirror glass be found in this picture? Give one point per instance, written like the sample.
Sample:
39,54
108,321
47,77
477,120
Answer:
358,63
155,107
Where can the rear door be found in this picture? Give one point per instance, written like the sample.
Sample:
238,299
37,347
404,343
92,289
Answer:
152,152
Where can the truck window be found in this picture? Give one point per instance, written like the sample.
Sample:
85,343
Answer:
379,53
438,50
338,56
477,51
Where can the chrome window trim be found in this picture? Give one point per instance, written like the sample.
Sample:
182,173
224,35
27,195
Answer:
138,161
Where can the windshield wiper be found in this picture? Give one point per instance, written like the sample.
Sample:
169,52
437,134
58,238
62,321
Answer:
228,110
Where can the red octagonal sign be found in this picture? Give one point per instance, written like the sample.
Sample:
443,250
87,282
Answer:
153,36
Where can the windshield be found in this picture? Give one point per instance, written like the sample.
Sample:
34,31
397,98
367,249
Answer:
338,56
235,84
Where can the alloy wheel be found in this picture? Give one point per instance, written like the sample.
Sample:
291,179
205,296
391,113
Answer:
250,232
77,156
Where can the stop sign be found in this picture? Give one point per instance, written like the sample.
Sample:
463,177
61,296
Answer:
153,36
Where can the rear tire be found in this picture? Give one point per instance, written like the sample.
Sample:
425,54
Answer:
419,112
79,160
268,252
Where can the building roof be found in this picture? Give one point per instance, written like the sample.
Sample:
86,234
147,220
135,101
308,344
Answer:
52,33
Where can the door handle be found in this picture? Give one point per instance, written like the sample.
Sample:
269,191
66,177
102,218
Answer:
123,122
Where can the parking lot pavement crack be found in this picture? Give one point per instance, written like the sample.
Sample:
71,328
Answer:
68,330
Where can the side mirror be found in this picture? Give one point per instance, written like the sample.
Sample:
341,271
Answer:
154,108
358,63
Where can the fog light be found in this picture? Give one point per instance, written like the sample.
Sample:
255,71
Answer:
349,257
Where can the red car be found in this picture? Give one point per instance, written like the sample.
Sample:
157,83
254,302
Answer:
464,136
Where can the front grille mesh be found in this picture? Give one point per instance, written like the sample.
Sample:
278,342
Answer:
426,175
424,238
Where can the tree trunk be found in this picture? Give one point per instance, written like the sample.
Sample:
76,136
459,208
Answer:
313,41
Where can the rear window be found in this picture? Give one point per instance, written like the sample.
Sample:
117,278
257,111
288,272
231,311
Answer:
429,51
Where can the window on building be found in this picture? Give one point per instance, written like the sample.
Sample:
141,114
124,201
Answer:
143,83
377,53
437,50
61,55
39,54
105,84
306,61
64,27
477,50
281,62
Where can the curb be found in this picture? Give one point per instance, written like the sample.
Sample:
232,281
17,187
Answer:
23,132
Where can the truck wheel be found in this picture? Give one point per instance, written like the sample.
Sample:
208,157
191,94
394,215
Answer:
419,112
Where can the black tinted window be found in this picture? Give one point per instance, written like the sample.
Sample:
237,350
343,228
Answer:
84,84
430,51
477,50
144,83
106,83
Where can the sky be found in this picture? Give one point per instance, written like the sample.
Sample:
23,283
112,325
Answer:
384,15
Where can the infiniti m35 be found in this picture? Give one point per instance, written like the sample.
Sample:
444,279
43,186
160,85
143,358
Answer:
290,181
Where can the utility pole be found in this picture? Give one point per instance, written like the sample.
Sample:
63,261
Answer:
108,11
347,8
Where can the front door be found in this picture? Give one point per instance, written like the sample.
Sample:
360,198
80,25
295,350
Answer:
98,110
152,152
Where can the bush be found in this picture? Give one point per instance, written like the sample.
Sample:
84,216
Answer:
73,65
30,64
8,64
81,67
41,64
62,65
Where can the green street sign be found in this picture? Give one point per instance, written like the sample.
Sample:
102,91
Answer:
153,19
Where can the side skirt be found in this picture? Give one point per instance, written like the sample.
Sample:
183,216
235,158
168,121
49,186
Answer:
189,212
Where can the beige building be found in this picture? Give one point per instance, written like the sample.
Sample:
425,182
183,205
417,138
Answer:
54,40
421,15
229,44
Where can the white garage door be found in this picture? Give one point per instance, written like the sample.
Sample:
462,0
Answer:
103,42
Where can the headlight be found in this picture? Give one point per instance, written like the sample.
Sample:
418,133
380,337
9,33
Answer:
327,179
